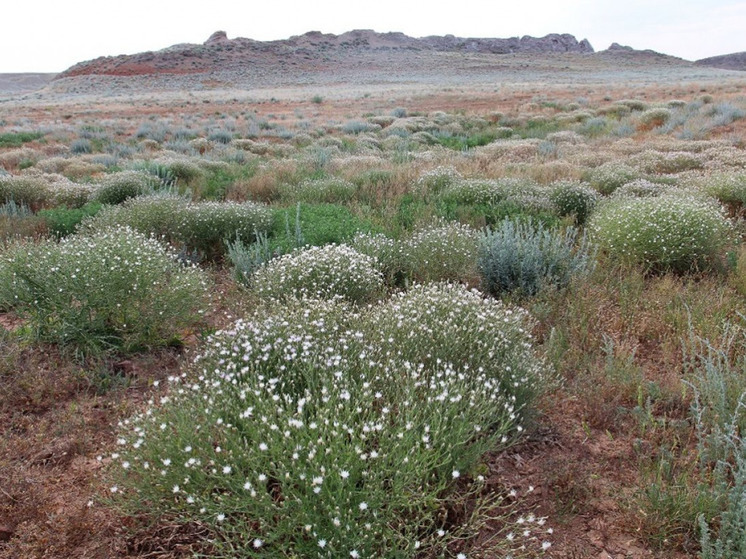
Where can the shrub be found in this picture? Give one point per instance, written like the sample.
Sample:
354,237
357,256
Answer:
671,232
436,180
573,199
384,250
248,258
201,226
30,191
653,118
323,190
113,289
320,273
641,188
118,187
448,323
204,226
610,176
524,258
291,437
440,252
81,145
729,188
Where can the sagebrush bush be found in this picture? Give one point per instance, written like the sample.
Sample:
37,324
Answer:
678,232
299,434
118,187
320,273
574,199
115,289
439,252
524,258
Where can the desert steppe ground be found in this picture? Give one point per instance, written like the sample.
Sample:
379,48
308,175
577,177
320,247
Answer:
611,454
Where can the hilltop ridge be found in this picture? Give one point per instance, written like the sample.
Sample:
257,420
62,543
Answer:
219,52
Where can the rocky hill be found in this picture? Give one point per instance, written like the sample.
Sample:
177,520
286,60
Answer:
734,61
219,53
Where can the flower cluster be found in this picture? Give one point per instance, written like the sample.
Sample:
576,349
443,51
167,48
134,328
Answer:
321,431
115,288
675,232
321,273
201,226
439,252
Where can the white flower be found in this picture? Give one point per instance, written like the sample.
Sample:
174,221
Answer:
258,543
221,517
455,474
322,543
344,474
263,446
546,545
363,505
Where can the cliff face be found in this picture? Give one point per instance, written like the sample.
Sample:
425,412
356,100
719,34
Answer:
220,53
734,61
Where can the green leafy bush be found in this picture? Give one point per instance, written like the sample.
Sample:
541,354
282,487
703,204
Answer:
523,258
320,273
63,221
115,289
302,434
678,232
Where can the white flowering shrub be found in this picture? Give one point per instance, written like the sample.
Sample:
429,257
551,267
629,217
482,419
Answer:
317,191
676,232
204,226
641,188
201,226
608,177
473,191
385,251
118,187
439,252
320,273
30,191
576,199
113,289
729,188
448,323
435,180
298,435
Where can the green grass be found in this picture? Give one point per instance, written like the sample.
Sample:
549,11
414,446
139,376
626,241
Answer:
17,139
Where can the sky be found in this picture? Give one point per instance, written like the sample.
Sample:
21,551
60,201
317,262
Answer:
52,35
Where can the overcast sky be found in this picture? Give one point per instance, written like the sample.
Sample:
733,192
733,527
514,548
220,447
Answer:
51,35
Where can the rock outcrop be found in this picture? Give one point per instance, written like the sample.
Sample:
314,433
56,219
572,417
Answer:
220,53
